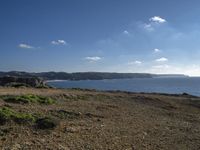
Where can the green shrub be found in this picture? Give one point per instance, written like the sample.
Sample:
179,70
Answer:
46,123
7,114
23,118
66,114
17,85
29,98
46,100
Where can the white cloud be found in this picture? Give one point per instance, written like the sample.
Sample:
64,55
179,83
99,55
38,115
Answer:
137,62
192,70
157,19
153,23
148,27
161,67
59,42
162,59
93,59
26,46
156,50
126,32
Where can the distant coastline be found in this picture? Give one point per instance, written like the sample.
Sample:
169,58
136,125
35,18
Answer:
60,76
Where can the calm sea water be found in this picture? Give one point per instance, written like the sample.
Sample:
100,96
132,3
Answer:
189,85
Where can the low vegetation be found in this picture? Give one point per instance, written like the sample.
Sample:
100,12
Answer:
47,123
7,114
84,119
29,98
63,114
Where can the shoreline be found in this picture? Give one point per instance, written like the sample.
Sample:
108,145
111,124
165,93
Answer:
165,85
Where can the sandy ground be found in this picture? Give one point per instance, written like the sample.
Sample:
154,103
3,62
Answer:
107,121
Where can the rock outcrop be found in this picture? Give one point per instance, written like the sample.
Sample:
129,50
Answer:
22,81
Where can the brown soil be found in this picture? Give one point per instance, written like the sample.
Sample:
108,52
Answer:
105,120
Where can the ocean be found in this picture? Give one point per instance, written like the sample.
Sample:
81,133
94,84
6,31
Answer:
190,85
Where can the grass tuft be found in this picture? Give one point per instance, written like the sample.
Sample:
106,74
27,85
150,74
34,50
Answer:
66,114
29,98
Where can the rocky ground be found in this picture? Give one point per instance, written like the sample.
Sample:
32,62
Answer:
83,119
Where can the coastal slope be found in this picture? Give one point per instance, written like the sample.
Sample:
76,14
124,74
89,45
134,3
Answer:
89,119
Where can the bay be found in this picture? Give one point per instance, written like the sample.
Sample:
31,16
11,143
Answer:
190,85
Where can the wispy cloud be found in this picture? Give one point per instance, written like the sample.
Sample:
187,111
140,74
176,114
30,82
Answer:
157,19
162,59
59,42
25,46
148,27
161,66
156,50
137,62
93,59
126,32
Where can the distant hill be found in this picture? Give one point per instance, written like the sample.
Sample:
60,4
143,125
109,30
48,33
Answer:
170,75
77,76
82,75
13,81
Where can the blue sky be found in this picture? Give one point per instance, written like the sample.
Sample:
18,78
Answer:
156,36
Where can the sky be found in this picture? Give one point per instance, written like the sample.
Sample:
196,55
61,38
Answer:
144,36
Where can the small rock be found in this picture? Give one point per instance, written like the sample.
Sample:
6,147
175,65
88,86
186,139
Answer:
42,140
71,130
16,147
28,143
62,147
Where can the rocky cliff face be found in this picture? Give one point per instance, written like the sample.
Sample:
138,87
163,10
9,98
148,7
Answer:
21,81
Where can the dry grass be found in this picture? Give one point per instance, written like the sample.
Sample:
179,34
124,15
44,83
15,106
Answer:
103,120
